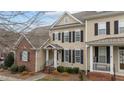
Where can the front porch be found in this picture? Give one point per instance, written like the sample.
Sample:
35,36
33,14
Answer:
107,55
53,55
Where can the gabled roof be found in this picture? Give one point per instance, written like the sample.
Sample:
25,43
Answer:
52,46
81,15
37,37
61,17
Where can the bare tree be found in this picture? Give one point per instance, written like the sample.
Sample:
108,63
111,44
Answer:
20,20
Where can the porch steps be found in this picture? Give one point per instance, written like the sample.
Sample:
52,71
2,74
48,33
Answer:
98,76
48,69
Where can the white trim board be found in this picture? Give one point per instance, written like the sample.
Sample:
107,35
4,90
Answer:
60,18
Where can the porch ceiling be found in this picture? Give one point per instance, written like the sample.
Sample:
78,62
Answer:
108,41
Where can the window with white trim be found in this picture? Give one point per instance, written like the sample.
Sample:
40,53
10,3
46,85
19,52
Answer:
66,37
66,55
77,36
121,26
101,28
102,55
56,36
77,56
24,55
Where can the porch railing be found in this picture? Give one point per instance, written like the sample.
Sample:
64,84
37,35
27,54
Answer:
100,63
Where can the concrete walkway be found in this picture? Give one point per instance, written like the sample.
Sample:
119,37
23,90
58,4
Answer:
32,78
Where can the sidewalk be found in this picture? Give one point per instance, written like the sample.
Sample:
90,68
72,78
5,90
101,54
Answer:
33,78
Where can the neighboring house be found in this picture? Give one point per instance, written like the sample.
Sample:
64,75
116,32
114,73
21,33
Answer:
29,51
7,41
105,40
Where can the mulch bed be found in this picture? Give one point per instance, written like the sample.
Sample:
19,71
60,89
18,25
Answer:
17,75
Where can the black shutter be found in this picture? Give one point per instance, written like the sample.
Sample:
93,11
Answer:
69,56
53,36
108,28
59,36
82,56
96,28
115,27
62,55
108,54
62,37
69,36
96,53
28,56
73,36
82,36
73,56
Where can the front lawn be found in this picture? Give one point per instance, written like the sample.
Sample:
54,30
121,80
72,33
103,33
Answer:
56,76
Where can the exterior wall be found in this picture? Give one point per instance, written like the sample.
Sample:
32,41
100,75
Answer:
71,46
111,19
68,19
40,60
24,45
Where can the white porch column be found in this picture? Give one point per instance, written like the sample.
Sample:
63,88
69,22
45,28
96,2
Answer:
91,58
55,58
47,56
111,59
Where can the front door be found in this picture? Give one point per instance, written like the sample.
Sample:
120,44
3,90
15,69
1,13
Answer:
121,58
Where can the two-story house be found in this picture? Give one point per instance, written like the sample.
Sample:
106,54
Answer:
105,42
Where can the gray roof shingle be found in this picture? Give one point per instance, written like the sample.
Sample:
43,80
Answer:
38,36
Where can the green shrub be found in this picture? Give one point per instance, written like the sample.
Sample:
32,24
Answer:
60,69
21,68
68,69
9,60
14,68
75,70
1,66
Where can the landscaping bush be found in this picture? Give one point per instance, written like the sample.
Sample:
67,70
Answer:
1,66
68,69
14,68
60,69
75,70
9,60
21,68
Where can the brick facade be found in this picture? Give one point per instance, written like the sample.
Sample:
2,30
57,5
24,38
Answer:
24,45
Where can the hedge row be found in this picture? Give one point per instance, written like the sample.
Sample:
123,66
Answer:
68,69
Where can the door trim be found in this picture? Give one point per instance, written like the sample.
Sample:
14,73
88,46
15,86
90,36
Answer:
119,70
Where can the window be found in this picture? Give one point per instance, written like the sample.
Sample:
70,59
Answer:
24,56
77,56
66,55
56,36
102,28
66,37
121,26
102,55
77,36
